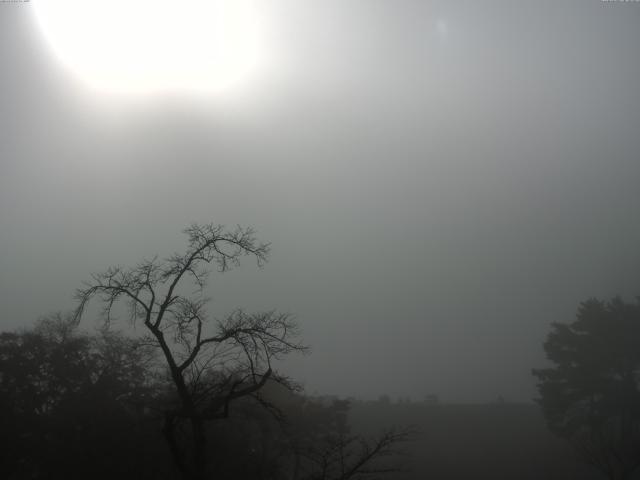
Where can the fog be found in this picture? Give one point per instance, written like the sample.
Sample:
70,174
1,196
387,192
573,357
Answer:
439,181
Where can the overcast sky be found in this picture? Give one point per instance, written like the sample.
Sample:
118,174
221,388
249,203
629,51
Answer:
439,180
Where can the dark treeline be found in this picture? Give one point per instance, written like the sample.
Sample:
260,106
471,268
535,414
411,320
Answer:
79,405
192,397
75,405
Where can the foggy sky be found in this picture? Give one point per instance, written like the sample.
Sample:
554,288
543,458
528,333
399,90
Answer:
440,181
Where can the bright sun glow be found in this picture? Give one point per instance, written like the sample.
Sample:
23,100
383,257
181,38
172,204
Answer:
150,46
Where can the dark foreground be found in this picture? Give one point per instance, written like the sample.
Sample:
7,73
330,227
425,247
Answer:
456,442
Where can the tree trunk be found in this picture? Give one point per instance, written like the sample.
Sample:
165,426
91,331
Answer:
169,432
199,448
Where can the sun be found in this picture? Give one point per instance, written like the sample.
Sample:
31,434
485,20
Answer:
150,46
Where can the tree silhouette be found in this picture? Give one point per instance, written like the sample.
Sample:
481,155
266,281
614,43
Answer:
315,442
590,396
211,363
69,403
79,405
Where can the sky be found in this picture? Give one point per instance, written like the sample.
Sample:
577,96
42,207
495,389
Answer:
439,181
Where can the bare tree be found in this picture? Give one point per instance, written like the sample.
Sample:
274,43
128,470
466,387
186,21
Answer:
354,457
211,362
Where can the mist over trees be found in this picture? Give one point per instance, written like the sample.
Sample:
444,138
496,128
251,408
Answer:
184,394
441,181
200,391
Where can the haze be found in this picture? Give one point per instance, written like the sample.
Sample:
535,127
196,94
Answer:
439,180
